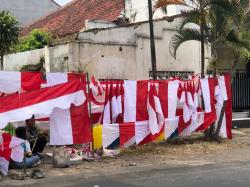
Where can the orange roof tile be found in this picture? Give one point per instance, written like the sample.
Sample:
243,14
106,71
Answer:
71,18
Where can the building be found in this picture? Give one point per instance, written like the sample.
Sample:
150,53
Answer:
80,15
27,11
119,52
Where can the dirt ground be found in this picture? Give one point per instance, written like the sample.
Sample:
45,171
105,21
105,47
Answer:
189,151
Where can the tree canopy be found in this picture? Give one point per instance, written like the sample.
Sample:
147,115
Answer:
9,32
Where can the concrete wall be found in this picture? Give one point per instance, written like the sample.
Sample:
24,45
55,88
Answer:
13,62
124,52
27,11
118,53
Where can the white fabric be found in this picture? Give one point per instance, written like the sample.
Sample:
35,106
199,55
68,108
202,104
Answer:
130,90
10,82
60,127
44,108
60,120
114,107
156,117
119,104
195,124
106,113
206,94
172,98
56,78
141,131
171,124
221,96
110,132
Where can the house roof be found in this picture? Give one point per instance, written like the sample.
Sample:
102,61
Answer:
71,18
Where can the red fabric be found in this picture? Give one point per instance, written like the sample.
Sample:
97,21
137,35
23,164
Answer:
16,101
5,150
228,109
127,132
31,81
141,101
163,95
81,129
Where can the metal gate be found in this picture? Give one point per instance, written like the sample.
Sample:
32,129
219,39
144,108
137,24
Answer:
241,92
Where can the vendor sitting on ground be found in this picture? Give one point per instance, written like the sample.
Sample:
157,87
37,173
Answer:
35,136
30,159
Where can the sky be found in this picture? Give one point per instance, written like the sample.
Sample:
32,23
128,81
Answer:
62,2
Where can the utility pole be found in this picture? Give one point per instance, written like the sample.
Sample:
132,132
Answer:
152,40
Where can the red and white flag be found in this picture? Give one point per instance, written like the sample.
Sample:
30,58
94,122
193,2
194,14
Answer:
19,107
107,110
127,134
156,117
135,109
224,94
95,87
13,81
10,148
74,119
113,101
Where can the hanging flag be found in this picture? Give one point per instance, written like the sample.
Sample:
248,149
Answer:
127,134
113,101
110,136
20,107
135,109
120,102
107,110
74,119
11,81
224,94
10,148
156,117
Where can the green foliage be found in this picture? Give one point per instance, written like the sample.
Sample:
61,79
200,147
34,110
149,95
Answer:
9,32
34,67
37,39
224,22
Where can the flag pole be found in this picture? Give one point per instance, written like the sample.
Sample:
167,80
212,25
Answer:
90,111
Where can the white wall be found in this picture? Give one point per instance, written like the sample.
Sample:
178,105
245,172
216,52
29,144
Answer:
13,62
118,53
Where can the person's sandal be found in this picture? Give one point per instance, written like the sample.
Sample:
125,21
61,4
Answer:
37,174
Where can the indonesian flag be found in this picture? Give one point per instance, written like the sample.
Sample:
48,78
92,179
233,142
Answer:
224,94
12,81
107,110
110,136
135,109
127,134
168,91
19,107
74,119
10,147
156,117
120,101
95,87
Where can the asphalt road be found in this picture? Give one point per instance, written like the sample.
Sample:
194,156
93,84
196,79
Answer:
227,174
231,174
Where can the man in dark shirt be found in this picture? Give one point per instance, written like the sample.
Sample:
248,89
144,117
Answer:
34,136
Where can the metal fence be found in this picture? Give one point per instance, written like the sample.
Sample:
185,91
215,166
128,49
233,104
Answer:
241,92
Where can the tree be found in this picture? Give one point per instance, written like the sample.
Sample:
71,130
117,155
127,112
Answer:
37,39
9,32
217,23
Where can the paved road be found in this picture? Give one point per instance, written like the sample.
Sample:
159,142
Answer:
228,174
